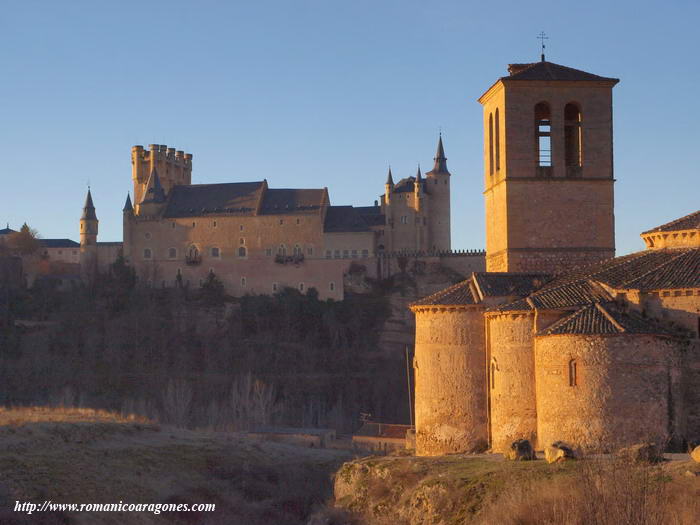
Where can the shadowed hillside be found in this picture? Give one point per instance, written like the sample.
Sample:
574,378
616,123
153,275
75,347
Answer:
86,456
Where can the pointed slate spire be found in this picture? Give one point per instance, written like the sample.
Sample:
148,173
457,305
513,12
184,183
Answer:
418,175
440,159
128,208
89,209
154,191
390,179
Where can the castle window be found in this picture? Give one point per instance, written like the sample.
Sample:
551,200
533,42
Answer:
242,252
336,254
492,375
268,252
281,221
240,227
354,254
301,287
543,138
572,139
490,143
147,235
573,376
497,132
60,252
241,241
243,281
297,250
214,224
329,254
282,250
365,254
215,252
274,287
331,286
172,225
309,251
346,254
147,253
194,224
298,221
172,253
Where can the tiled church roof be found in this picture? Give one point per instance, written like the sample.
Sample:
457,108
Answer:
596,318
689,222
497,284
644,271
550,71
459,294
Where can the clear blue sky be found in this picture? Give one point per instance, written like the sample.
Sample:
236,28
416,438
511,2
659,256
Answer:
325,93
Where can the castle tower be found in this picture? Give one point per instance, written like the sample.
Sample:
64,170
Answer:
174,167
88,239
438,185
548,168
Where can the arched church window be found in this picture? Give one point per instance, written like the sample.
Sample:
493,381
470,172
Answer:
543,138
573,149
491,143
497,133
573,373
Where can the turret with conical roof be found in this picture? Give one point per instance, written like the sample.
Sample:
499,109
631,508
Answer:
128,207
388,187
437,183
153,196
88,239
89,208
440,159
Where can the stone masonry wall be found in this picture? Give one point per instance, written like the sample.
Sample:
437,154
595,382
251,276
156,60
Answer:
511,379
628,390
450,381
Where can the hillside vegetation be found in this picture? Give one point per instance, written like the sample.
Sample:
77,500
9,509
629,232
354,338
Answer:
117,346
487,490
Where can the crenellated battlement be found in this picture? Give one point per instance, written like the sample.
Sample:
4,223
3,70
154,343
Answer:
174,167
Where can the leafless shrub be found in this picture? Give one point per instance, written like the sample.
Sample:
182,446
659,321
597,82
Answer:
600,492
250,403
177,403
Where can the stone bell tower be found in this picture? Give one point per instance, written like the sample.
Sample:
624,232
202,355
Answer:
548,169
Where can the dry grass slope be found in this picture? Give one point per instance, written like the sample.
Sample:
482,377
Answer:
487,490
88,456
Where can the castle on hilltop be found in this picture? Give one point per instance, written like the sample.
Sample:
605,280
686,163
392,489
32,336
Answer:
559,339
259,240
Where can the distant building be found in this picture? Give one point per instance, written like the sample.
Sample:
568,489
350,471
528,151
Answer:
258,239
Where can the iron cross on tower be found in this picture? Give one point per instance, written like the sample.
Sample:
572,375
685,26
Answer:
542,37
